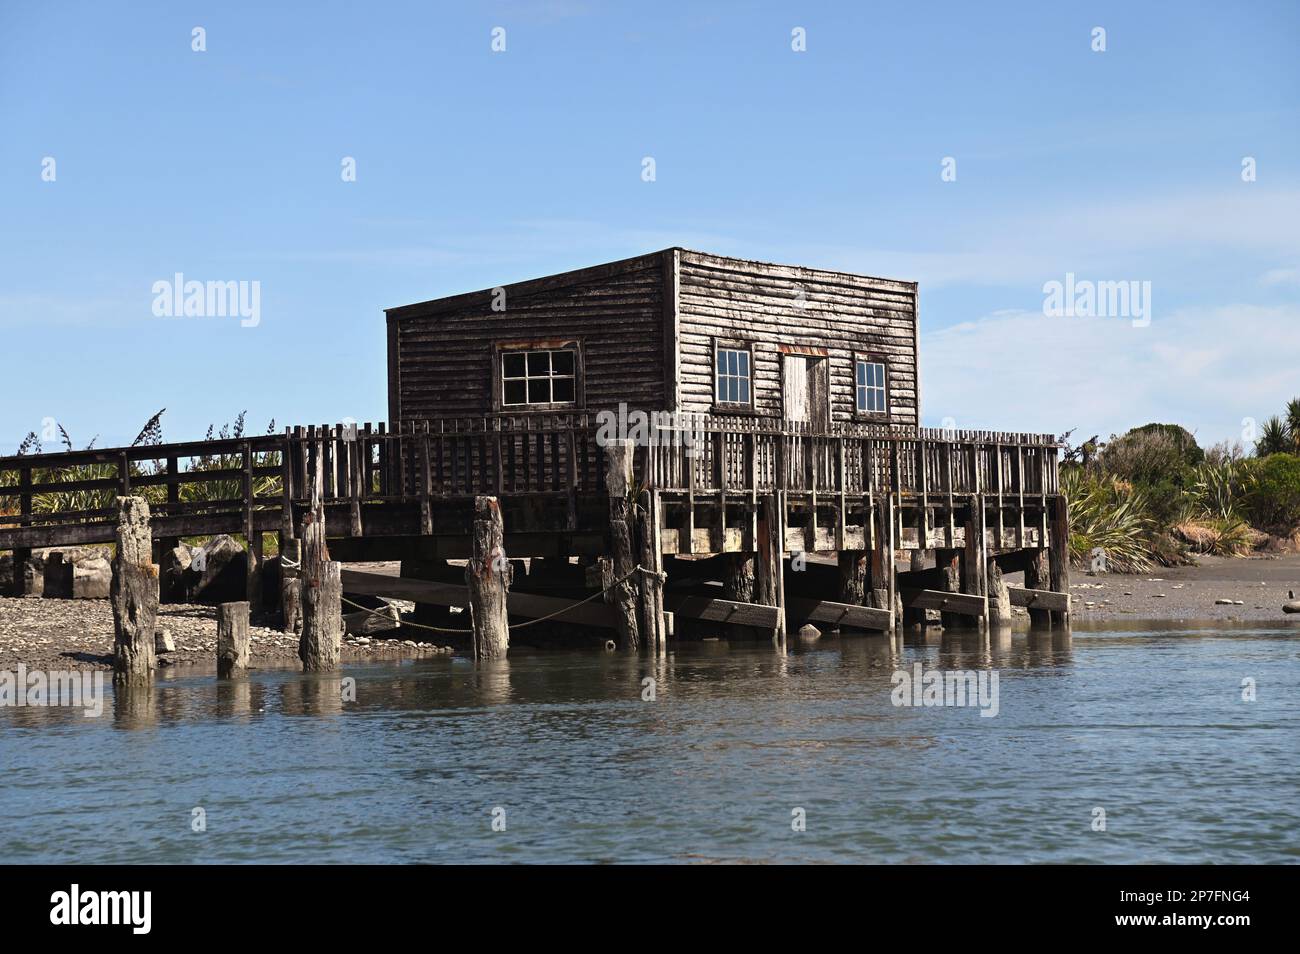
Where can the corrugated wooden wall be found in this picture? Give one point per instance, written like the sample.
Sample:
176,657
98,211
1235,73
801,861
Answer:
772,305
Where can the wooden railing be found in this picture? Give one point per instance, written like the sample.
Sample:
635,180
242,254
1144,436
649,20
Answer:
550,454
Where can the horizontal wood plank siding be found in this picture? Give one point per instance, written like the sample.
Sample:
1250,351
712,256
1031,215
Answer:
444,356
727,298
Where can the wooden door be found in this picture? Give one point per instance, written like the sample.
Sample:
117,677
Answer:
794,387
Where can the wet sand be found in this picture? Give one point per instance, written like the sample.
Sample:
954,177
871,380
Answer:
1188,593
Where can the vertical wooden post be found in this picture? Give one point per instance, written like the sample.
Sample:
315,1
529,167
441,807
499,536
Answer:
23,554
881,579
134,592
949,565
1037,577
620,593
232,639
769,576
1059,555
999,595
488,575
651,580
913,617
322,590
973,558
290,585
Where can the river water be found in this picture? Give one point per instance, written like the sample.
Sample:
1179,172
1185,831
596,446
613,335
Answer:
740,747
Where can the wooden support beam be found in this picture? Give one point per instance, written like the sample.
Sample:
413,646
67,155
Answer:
529,605
948,602
718,610
1041,601
653,627
134,593
802,610
232,639
488,575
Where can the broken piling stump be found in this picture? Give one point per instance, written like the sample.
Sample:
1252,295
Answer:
321,642
622,591
134,593
232,639
487,576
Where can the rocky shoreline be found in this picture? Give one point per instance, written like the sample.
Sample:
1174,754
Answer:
60,634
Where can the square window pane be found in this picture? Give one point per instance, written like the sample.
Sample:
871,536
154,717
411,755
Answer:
539,390
562,362
539,362
516,392
512,365
562,389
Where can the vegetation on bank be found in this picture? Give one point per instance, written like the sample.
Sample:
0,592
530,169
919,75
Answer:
102,498
1153,496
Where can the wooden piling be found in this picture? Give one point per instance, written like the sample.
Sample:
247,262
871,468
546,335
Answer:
488,575
1059,556
1037,577
654,628
622,591
321,641
769,571
999,595
134,593
290,585
973,559
232,639
949,564
912,616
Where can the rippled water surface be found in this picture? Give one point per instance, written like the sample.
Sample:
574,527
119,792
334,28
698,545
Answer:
1149,726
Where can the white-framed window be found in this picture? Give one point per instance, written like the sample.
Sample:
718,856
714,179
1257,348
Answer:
733,375
870,386
532,377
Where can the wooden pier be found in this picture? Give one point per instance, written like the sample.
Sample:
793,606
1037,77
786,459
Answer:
753,522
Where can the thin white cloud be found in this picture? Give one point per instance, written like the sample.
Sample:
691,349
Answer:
1207,368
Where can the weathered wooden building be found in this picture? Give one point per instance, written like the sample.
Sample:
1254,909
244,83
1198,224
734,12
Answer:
785,475
676,330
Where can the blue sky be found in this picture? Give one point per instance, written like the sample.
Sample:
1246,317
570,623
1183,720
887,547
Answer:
477,168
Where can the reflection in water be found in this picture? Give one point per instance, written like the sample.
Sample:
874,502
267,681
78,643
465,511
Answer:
590,769
313,694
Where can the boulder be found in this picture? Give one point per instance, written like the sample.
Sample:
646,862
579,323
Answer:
163,642
809,632
66,573
217,571
175,564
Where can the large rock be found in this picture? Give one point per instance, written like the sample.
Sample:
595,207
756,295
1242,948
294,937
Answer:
66,573
78,573
217,571
175,564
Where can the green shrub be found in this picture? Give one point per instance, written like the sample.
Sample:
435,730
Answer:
1273,502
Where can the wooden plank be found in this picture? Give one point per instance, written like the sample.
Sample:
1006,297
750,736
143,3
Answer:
1039,599
530,605
962,603
721,611
838,614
